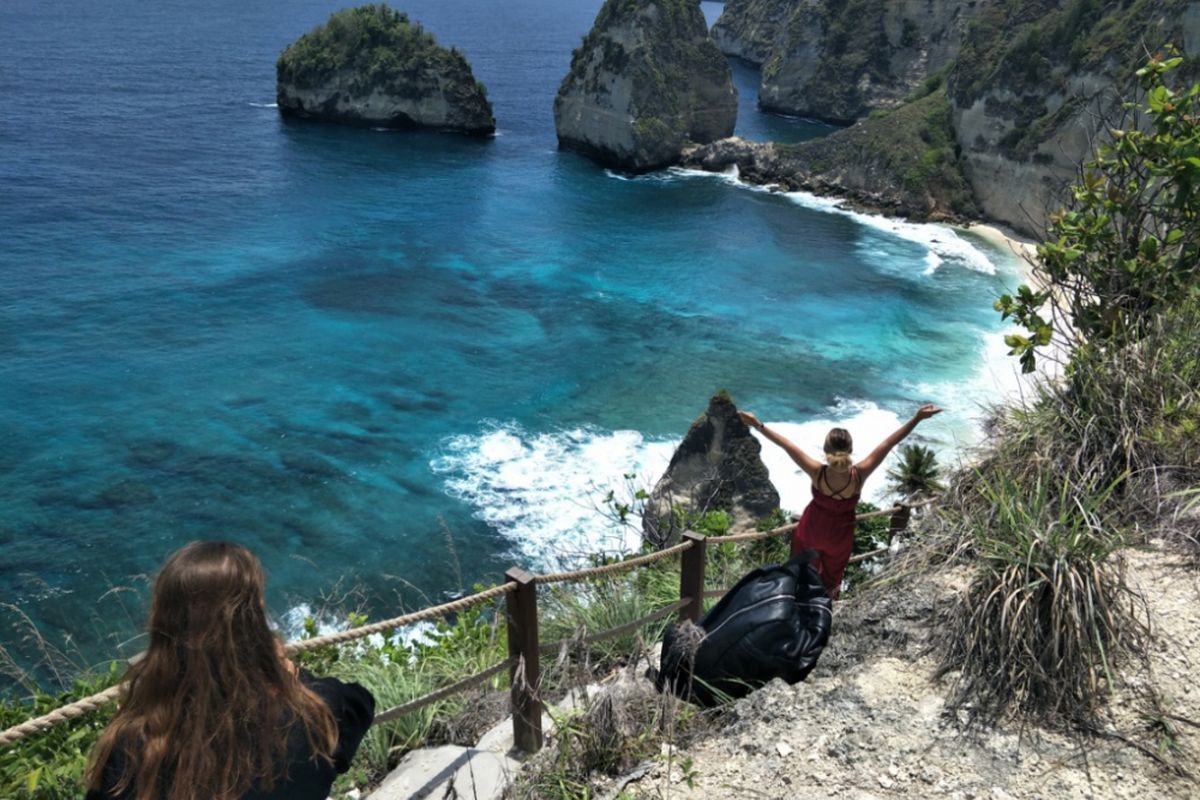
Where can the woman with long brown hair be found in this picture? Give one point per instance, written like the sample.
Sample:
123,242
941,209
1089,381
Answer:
827,524
214,711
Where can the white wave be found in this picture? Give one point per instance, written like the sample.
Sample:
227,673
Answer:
265,105
544,491
941,241
662,176
291,627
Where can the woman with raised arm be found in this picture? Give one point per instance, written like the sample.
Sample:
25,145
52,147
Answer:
827,524
214,710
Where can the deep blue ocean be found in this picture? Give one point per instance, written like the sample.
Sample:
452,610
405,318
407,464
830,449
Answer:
399,362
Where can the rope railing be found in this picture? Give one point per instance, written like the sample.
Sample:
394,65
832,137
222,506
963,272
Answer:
433,612
62,714
395,712
94,702
629,627
616,566
689,605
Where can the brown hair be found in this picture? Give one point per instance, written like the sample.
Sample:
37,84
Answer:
206,713
838,447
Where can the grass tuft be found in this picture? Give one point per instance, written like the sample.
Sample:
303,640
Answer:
1048,615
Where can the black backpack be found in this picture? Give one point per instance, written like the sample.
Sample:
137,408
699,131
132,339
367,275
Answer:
773,623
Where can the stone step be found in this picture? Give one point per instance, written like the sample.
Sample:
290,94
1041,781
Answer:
451,772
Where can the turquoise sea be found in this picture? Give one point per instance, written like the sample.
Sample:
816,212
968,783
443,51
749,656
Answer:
399,362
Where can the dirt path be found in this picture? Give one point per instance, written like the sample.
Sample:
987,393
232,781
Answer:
871,721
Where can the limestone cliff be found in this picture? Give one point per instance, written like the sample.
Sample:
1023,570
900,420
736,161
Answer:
716,467
372,66
646,81
838,60
1030,85
1034,87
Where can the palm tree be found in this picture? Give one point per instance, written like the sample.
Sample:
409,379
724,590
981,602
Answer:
916,473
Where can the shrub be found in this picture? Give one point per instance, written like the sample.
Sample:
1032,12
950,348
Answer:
1048,615
917,472
1127,247
376,44
50,765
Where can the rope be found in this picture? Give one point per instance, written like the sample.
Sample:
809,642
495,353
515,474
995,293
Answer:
865,556
398,622
618,566
612,633
96,701
752,535
466,683
782,529
67,712
883,512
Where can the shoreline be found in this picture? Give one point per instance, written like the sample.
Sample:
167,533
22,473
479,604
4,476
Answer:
1022,247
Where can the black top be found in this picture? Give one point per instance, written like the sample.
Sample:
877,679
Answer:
307,778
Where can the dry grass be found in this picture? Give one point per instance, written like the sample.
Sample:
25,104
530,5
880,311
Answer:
1048,616
1103,459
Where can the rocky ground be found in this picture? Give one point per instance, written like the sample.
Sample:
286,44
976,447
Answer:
872,719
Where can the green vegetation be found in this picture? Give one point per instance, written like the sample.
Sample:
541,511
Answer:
1048,616
1098,457
374,45
917,473
911,148
1032,50
869,535
856,51
1127,247
1033,47
50,765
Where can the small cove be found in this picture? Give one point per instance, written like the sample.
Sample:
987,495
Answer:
341,347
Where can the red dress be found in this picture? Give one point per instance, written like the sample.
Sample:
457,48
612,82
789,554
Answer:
827,526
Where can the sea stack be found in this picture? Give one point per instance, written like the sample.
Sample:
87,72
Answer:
646,81
717,467
371,66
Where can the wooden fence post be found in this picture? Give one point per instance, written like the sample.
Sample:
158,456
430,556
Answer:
691,576
898,523
521,607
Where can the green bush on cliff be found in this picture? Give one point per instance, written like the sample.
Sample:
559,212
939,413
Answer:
911,147
1127,246
378,45
1097,457
1029,46
50,765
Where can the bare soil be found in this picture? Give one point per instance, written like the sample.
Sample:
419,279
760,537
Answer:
872,720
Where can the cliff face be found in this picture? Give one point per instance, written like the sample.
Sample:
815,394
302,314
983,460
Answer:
1030,86
901,163
371,66
1036,84
839,61
645,81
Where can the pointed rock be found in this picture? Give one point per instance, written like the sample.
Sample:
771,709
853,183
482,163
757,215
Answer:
717,467
646,81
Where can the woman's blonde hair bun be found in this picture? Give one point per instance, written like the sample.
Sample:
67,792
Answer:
838,446
838,461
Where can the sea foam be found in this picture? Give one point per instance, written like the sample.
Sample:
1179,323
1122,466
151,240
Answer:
545,492
940,241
